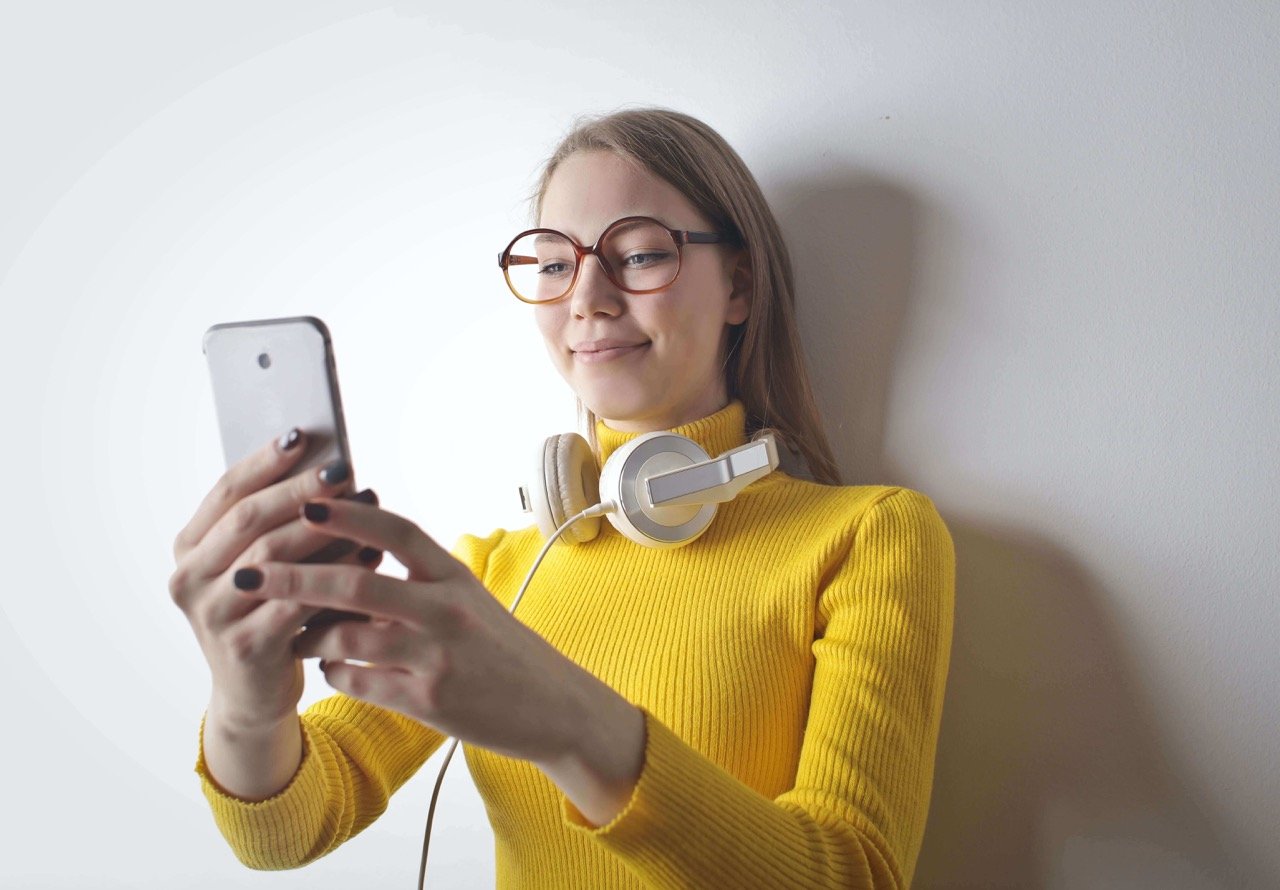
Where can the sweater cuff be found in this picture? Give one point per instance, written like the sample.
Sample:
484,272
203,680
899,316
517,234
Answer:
290,813
666,818
692,823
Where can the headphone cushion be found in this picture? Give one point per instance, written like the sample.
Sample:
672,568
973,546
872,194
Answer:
572,484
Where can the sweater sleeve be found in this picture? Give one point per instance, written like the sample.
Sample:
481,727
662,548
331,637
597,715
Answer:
856,815
355,755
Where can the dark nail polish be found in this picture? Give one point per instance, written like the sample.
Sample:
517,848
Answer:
335,473
290,439
315,512
368,554
248,579
366,497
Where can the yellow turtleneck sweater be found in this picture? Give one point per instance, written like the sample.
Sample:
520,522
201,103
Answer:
790,664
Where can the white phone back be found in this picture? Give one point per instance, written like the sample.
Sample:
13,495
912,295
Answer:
270,376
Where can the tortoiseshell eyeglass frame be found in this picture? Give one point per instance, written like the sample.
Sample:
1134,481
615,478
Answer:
681,237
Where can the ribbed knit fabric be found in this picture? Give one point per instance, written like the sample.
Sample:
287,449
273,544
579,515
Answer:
790,664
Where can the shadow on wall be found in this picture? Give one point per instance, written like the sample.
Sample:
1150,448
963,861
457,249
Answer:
852,242
1049,772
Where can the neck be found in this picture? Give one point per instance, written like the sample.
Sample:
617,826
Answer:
669,417
717,432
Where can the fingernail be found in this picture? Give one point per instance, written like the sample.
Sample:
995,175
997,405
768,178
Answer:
315,512
365,497
335,473
248,579
290,439
368,554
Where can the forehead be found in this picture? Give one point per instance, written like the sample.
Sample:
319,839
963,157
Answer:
591,189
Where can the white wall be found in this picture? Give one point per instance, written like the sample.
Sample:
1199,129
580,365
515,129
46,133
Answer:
1038,256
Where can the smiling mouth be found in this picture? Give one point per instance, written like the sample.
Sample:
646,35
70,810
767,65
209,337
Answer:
604,355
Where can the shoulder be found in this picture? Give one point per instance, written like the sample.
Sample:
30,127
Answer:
477,552
845,507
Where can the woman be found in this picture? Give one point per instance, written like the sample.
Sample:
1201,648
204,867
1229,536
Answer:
759,708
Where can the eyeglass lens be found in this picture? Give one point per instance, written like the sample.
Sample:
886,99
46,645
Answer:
638,256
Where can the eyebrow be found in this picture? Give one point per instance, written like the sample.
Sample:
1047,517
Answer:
651,216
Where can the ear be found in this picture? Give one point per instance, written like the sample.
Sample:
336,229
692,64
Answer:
741,280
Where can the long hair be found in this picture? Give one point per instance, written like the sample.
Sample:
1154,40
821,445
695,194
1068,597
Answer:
765,365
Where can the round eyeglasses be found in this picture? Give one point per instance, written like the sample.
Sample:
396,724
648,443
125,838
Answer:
638,254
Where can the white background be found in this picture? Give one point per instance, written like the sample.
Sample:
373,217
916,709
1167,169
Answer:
1037,253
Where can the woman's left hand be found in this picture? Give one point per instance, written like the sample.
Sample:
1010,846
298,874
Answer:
439,646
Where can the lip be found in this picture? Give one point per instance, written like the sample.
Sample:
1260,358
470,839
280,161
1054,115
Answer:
601,345
608,355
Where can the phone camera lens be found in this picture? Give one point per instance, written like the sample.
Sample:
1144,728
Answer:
264,361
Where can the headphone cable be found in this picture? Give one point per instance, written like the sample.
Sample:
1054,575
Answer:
598,510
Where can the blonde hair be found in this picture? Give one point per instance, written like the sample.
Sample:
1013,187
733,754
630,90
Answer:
765,363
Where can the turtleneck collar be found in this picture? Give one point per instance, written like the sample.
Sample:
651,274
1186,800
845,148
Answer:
716,433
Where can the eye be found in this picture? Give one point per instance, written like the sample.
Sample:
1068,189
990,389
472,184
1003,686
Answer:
642,260
554,268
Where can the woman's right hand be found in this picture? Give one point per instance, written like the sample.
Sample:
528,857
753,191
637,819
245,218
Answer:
252,516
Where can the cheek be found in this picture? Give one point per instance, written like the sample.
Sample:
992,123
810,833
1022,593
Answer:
549,325
682,322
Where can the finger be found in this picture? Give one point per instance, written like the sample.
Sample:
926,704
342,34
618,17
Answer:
275,622
295,541
292,542
375,527
334,551
388,687
385,643
264,466
367,557
263,511
414,603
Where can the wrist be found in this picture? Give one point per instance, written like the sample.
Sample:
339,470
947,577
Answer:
251,762
233,723
599,769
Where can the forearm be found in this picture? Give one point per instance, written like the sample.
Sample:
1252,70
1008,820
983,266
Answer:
251,764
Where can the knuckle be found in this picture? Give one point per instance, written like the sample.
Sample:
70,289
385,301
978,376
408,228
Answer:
457,619
290,582
400,647
407,534
304,486
225,493
243,645
181,544
361,589
201,615
243,516
180,586
259,551
346,637
358,684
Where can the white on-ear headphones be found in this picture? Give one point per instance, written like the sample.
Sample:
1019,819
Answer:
660,489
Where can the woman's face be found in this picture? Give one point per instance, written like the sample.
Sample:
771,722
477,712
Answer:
676,375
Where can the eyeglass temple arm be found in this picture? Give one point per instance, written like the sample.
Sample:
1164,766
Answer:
699,237
516,260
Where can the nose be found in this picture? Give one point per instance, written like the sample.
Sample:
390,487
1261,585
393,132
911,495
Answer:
594,293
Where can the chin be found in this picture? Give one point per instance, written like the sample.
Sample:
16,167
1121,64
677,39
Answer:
614,404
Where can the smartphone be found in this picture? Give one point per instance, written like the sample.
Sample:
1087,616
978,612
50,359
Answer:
269,376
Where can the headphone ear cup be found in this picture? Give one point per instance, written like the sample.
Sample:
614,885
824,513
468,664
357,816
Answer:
571,484
621,480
